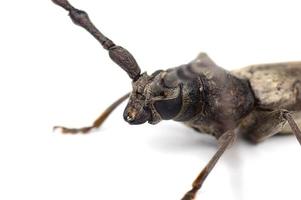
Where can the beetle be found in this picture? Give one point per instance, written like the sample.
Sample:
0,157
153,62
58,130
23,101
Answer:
257,101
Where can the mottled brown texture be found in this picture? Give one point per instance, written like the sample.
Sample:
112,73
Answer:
275,86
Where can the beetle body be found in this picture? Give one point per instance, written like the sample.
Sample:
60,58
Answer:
255,101
212,100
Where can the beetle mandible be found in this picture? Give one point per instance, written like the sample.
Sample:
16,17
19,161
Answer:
256,101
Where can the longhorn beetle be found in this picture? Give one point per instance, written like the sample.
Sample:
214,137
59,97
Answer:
256,101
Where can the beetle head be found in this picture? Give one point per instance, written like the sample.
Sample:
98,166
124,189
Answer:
152,101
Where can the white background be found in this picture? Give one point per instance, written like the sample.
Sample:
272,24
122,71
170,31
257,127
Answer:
54,73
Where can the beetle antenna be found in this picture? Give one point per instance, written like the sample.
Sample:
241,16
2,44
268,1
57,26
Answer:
98,122
118,54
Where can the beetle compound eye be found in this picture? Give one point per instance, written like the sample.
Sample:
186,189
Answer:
168,109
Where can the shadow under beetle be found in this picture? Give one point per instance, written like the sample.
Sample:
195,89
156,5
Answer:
255,101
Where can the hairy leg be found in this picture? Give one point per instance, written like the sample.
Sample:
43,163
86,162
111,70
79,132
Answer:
225,141
98,122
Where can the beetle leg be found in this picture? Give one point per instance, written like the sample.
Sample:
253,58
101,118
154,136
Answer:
98,122
225,141
261,125
295,129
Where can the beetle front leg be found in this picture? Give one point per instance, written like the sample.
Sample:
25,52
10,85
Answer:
225,141
98,122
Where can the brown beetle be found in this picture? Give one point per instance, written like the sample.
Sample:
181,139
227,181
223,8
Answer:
255,101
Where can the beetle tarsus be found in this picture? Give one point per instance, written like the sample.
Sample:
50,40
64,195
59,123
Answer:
73,130
98,122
